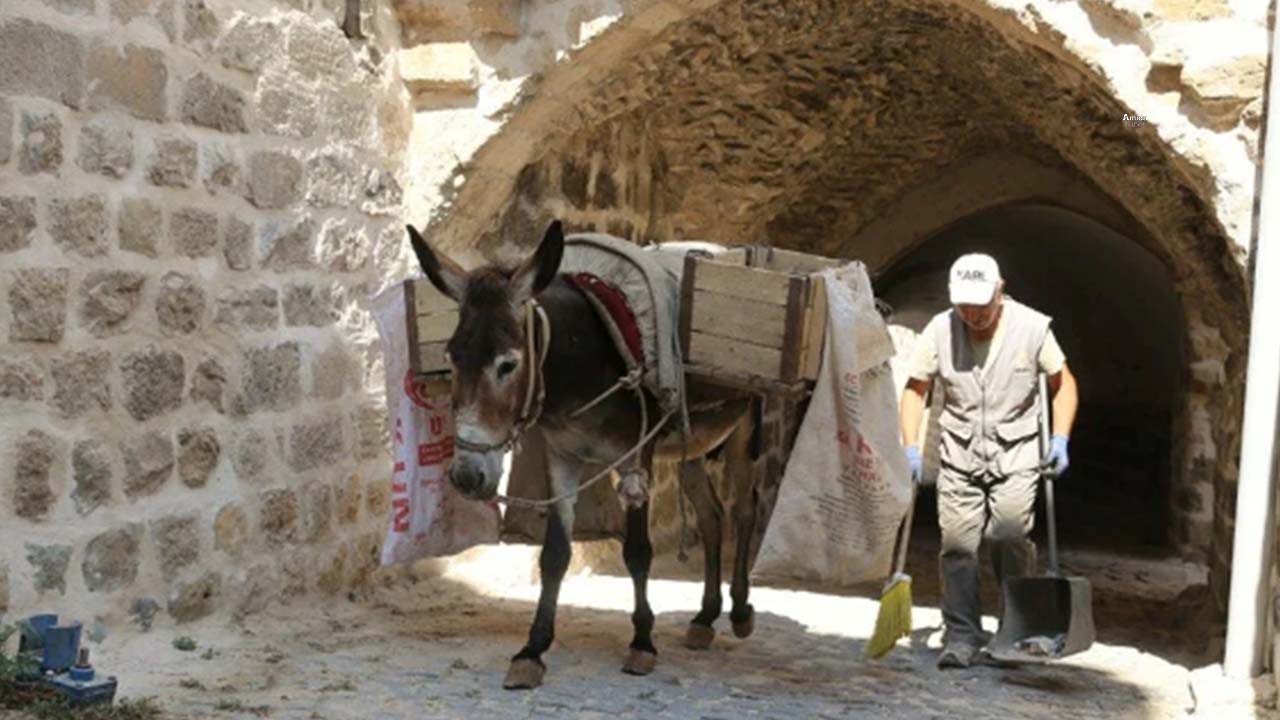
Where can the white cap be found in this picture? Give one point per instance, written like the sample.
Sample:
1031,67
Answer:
974,279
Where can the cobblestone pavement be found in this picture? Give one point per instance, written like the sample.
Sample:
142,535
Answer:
438,648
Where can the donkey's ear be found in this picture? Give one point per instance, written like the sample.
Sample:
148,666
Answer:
536,273
444,273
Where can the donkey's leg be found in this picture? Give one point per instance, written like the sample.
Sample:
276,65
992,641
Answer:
697,487
527,668
740,466
637,551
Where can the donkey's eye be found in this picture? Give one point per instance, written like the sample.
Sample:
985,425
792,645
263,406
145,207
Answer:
505,368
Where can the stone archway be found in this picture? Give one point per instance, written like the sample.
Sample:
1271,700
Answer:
838,127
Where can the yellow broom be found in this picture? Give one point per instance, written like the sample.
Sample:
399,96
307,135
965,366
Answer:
894,619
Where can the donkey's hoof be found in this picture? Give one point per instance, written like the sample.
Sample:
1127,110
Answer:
524,674
640,662
699,637
744,628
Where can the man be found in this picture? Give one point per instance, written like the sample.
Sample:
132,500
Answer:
986,350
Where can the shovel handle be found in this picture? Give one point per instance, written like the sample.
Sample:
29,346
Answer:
1043,412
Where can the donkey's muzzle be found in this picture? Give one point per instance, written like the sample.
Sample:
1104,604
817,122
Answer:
472,478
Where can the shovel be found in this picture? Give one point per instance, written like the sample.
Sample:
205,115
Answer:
1049,617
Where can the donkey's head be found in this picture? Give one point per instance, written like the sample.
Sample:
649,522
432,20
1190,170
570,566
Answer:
490,354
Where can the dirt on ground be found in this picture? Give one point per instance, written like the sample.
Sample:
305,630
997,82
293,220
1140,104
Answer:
434,642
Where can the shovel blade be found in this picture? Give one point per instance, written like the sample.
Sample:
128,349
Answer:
1045,618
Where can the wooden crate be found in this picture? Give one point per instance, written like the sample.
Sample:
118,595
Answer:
754,317
432,318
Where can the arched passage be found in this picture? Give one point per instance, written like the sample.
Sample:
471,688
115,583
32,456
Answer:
835,127
1117,316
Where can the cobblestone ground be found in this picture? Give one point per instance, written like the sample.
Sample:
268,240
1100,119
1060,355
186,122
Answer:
438,647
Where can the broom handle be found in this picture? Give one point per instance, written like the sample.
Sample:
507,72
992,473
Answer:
904,534
1048,477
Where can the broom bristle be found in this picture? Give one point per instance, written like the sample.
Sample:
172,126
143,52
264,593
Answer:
894,618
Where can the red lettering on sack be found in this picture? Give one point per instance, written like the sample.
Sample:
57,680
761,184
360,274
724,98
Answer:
401,518
435,453
437,425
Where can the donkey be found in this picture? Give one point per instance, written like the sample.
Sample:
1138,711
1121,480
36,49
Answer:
500,369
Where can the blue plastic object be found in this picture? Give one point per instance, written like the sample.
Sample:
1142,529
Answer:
61,644
86,692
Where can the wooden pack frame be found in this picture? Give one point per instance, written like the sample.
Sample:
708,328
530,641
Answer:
431,317
754,317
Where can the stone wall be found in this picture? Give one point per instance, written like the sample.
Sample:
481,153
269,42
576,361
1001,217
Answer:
196,197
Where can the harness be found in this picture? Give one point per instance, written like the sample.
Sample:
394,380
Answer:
537,344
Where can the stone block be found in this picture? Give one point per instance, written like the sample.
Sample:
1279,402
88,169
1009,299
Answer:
173,163
271,378
132,78
38,305
21,380
256,308
37,60
6,131
197,599
91,471
17,222
111,559
317,519
348,498
148,464
41,150
311,306
315,445
33,458
237,243
143,611
252,456
343,248
153,382
221,169
198,453
161,12
180,304
275,179
278,513
50,564
177,543
141,226
442,67
288,246
249,43
333,573
193,232
211,104
1223,87
286,110
332,371
495,17
109,298
333,180
208,382
106,148
80,225
201,26
231,530
320,51
81,383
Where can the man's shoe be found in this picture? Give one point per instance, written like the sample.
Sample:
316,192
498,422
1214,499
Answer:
956,655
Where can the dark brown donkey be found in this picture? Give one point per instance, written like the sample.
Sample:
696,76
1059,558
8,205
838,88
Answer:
504,381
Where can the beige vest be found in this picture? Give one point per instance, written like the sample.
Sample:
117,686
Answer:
989,423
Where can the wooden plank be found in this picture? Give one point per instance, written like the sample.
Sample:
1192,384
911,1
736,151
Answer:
688,278
779,260
815,328
437,326
430,300
411,331
738,381
730,317
431,358
734,355
793,339
742,282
